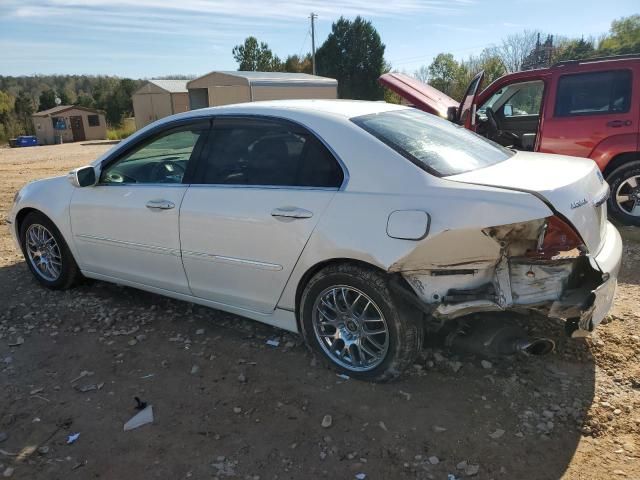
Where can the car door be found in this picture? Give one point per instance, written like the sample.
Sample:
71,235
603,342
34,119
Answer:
587,108
260,188
126,226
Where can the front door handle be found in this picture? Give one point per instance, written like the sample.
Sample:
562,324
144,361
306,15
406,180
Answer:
160,205
619,123
291,212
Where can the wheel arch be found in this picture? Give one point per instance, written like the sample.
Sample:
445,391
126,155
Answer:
619,160
22,214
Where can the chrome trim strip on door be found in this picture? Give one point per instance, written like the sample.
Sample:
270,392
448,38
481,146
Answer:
233,260
132,245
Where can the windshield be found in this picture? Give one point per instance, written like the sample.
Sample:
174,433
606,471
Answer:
432,143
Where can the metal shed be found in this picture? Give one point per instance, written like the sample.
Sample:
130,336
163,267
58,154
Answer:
159,98
223,88
71,122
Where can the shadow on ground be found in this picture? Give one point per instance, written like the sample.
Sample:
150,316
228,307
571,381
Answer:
227,404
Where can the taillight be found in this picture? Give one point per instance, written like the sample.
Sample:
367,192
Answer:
557,238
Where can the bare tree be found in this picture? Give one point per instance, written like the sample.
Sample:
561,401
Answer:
422,74
514,48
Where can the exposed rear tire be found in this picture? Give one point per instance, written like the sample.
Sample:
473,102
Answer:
351,319
47,254
624,202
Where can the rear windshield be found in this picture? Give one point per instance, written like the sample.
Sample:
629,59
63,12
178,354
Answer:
432,143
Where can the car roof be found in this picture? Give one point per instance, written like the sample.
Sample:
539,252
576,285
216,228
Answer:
341,108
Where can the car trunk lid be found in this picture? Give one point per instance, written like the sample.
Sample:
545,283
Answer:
574,187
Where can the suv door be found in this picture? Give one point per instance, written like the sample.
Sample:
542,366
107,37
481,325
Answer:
126,226
260,189
587,108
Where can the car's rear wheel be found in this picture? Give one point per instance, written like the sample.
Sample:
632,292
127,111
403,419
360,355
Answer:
624,202
46,253
349,317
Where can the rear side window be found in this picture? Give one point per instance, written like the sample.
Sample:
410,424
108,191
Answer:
593,93
432,143
261,152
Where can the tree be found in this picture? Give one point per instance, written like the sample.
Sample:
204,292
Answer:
624,37
573,49
443,71
515,48
254,56
422,74
47,100
296,64
353,54
24,109
64,99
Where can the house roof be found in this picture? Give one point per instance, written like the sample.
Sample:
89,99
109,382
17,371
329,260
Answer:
275,78
63,108
171,85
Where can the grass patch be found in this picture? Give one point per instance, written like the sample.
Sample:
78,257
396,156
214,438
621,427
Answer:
119,133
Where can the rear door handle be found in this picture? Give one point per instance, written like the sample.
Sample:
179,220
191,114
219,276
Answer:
619,123
291,212
160,205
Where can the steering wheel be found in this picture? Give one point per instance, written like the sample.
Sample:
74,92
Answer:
166,172
492,123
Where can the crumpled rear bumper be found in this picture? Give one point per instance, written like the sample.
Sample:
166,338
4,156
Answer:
608,261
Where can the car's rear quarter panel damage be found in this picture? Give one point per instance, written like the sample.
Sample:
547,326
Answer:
473,270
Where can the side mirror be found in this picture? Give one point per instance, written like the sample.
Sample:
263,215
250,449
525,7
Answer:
508,110
82,177
452,114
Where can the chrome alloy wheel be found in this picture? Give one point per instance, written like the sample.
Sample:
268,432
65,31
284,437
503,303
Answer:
43,252
350,328
628,196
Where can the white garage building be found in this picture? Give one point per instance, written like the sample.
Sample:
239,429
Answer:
223,88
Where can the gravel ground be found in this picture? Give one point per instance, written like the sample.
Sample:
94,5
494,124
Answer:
228,405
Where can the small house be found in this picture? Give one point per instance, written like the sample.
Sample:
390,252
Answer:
72,123
159,98
223,88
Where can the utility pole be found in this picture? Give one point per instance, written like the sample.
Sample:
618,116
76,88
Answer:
313,16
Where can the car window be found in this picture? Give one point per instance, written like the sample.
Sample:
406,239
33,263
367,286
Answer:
267,153
162,160
432,143
593,93
525,101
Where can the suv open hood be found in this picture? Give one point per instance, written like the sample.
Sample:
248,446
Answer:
573,186
419,94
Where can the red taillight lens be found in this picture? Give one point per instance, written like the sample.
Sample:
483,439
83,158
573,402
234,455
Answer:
558,236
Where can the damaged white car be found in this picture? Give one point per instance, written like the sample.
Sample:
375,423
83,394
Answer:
353,223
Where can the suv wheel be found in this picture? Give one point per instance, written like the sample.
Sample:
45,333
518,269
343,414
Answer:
47,254
624,202
349,317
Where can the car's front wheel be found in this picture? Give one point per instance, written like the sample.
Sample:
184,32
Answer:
624,202
349,316
46,253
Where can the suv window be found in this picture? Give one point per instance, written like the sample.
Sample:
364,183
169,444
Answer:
245,151
163,159
432,143
593,93
526,101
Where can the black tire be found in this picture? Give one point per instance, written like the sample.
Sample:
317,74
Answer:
69,273
404,323
615,179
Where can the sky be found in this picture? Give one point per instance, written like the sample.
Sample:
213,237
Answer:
150,38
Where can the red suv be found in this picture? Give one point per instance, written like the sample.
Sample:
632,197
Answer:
587,108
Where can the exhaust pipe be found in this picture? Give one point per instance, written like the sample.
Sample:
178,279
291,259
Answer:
492,337
537,346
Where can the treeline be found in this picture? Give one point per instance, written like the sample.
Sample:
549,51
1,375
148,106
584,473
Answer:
353,54
20,97
527,50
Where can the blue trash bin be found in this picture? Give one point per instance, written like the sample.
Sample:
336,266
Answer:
26,141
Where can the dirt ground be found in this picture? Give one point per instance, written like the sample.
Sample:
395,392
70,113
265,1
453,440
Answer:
227,405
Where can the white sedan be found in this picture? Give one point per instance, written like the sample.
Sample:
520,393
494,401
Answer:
352,223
